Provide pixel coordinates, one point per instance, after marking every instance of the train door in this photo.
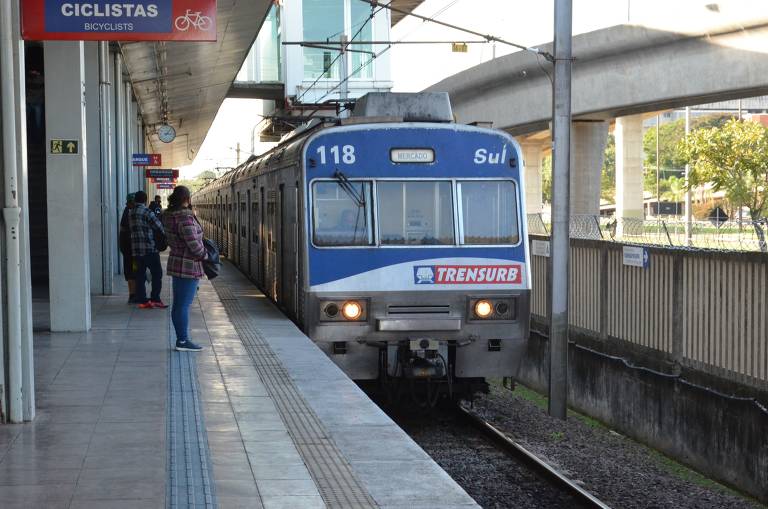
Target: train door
(282, 266)
(237, 220)
(263, 237)
(243, 233)
(247, 238)
(255, 271)
(226, 218)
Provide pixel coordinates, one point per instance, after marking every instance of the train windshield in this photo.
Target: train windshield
(415, 212)
(342, 213)
(488, 212)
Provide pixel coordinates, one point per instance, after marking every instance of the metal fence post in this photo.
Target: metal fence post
(604, 246)
(678, 306)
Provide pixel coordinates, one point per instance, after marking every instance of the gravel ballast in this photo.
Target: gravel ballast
(619, 471)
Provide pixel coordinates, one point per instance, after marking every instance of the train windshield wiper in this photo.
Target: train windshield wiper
(349, 188)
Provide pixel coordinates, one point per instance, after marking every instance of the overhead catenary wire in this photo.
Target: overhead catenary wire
(487, 37)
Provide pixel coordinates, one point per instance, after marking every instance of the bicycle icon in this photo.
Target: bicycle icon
(193, 19)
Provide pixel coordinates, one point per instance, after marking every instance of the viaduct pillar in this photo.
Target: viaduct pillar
(588, 139)
(629, 167)
(533, 188)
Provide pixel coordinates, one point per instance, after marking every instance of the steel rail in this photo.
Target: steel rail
(520, 452)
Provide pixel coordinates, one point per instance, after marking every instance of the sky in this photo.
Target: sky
(526, 22)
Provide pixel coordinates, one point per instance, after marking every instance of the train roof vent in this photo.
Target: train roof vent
(411, 107)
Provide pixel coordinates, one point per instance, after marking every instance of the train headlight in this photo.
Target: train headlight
(352, 310)
(483, 308)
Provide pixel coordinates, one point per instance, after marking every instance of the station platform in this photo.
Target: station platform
(260, 418)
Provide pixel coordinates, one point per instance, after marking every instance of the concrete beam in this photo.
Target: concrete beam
(65, 119)
(629, 166)
(610, 76)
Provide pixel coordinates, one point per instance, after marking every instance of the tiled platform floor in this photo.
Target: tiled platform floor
(99, 439)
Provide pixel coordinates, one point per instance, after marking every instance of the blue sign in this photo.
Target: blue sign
(636, 256)
(146, 159)
(152, 16)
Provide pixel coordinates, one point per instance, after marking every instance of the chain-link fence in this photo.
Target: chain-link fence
(670, 232)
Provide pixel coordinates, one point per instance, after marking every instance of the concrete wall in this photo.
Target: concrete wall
(689, 316)
(722, 437)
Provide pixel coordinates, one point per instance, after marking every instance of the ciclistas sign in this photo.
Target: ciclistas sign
(118, 20)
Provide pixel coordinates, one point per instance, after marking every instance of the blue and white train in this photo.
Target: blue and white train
(396, 239)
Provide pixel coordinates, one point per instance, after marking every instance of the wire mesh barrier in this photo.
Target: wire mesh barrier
(664, 232)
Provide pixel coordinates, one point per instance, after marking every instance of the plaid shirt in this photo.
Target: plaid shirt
(143, 225)
(185, 239)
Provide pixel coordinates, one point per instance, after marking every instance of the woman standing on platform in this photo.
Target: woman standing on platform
(185, 240)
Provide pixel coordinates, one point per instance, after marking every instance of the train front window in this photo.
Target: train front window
(342, 213)
(488, 212)
(415, 212)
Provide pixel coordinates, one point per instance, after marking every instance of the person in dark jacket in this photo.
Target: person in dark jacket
(156, 206)
(145, 227)
(129, 264)
(185, 240)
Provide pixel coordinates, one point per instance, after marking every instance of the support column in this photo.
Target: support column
(533, 188)
(588, 141)
(629, 167)
(95, 168)
(66, 175)
(120, 162)
(27, 350)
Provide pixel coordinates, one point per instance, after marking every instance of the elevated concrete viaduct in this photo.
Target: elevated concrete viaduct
(621, 71)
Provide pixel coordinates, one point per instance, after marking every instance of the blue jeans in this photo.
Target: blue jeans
(184, 290)
(149, 261)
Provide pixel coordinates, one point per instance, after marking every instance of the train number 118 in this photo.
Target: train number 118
(344, 154)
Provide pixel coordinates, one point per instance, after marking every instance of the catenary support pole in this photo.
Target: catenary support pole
(344, 83)
(107, 219)
(11, 215)
(559, 269)
(688, 201)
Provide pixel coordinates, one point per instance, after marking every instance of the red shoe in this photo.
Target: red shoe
(146, 305)
(158, 304)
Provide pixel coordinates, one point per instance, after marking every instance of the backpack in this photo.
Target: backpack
(212, 264)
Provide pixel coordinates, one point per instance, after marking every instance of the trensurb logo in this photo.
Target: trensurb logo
(467, 274)
(424, 275)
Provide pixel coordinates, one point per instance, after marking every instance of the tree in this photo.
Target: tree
(670, 135)
(608, 171)
(546, 179)
(734, 158)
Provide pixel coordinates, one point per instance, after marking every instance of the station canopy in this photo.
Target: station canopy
(185, 83)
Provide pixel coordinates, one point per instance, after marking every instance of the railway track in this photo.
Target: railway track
(512, 448)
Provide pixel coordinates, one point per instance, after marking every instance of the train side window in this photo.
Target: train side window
(488, 210)
(415, 213)
(342, 214)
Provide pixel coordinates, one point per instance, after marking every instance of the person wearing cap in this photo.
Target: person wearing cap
(129, 264)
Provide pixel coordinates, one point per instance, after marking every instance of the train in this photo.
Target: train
(394, 238)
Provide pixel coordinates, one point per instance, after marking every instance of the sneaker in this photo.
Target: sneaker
(187, 346)
(146, 305)
(158, 304)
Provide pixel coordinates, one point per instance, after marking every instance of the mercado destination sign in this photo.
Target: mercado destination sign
(118, 20)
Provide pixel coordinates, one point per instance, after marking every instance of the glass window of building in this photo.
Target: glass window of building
(488, 212)
(415, 213)
(342, 214)
(329, 20)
